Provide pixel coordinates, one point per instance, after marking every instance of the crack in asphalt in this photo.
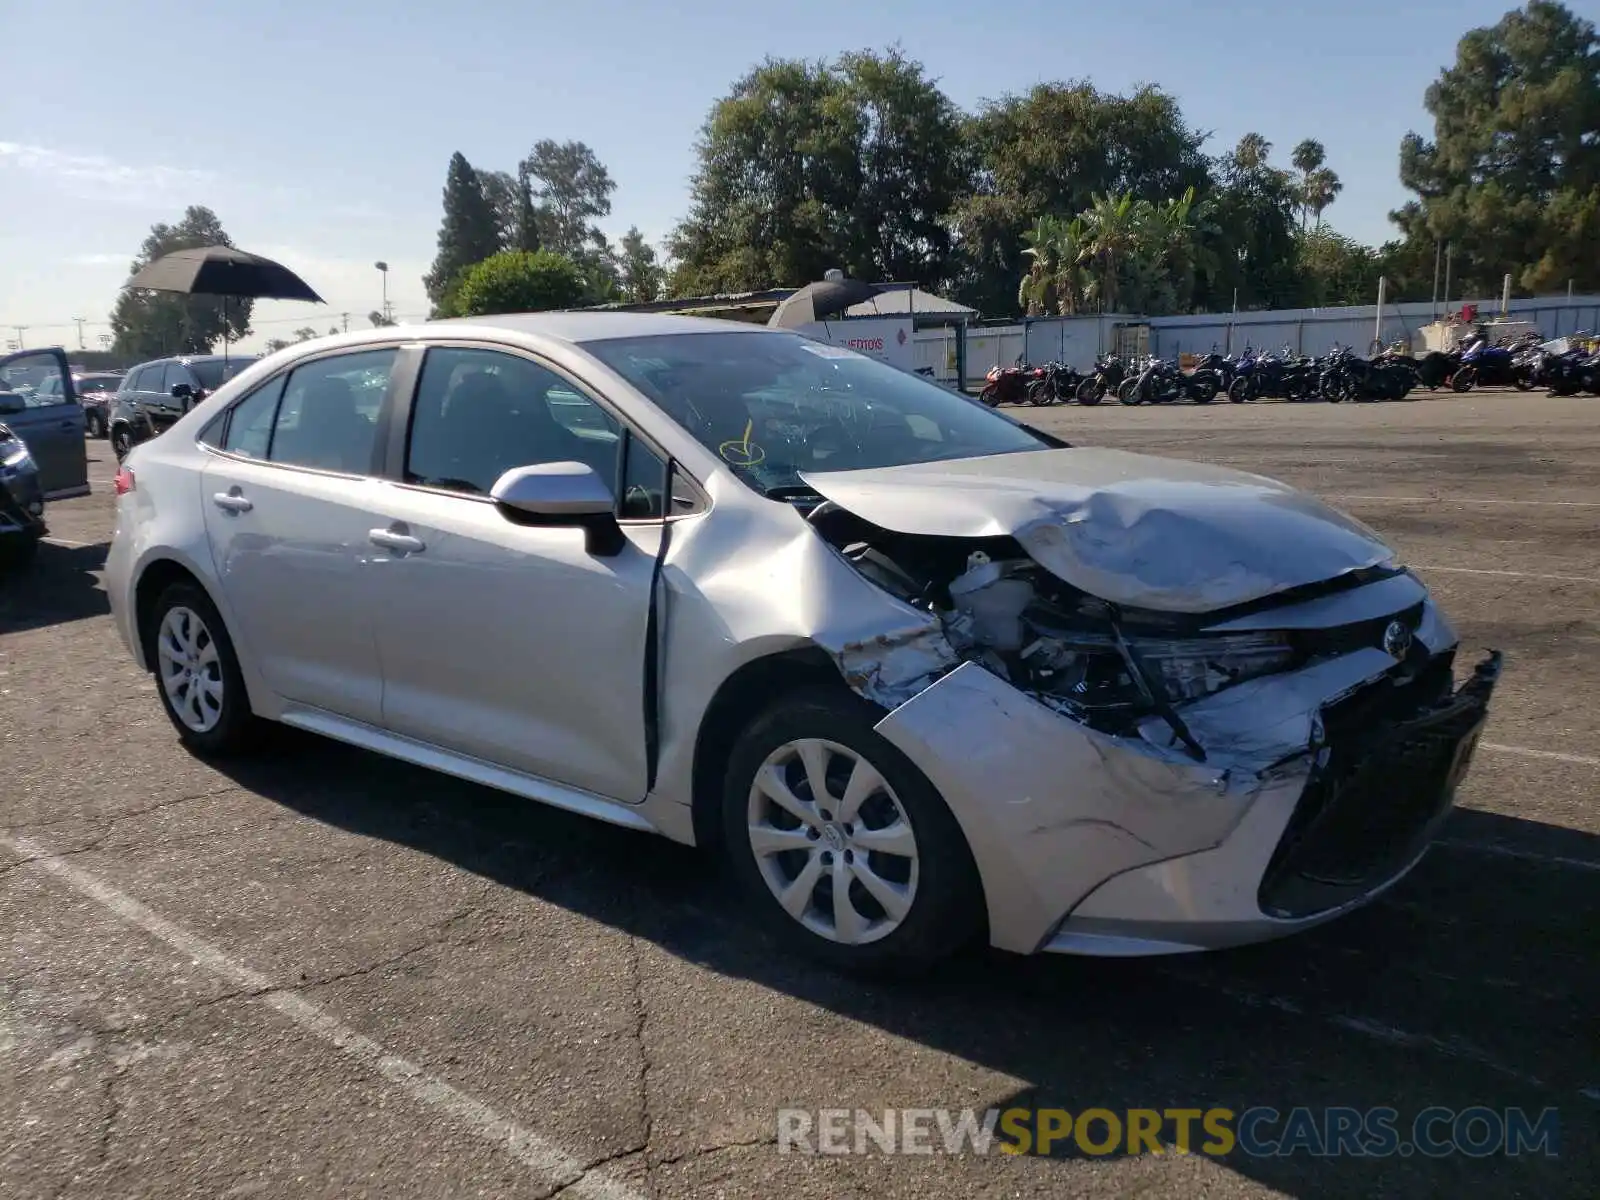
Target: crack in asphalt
(113, 821)
(700, 1152)
(641, 1014)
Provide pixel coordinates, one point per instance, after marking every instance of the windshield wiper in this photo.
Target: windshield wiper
(792, 491)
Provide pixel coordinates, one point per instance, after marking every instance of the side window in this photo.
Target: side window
(175, 374)
(147, 379)
(250, 421)
(328, 416)
(479, 413)
(640, 497)
(36, 378)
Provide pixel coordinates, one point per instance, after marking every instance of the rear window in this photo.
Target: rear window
(213, 375)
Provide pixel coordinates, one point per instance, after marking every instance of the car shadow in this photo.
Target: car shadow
(1470, 984)
(60, 586)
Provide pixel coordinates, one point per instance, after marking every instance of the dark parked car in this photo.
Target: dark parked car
(21, 502)
(39, 404)
(155, 394)
(95, 390)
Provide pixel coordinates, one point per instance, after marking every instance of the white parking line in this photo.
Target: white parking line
(1507, 574)
(1466, 500)
(538, 1154)
(1582, 760)
(1554, 860)
(67, 542)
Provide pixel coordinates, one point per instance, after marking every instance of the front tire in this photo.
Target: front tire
(844, 846)
(197, 672)
(121, 442)
(1090, 391)
(94, 425)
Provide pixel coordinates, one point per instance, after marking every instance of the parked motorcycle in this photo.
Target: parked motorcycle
(1107, 376)
(1161, 382)
(1007, 385)
(1053, 383)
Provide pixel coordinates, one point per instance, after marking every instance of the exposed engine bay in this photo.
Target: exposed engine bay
(1106, 666)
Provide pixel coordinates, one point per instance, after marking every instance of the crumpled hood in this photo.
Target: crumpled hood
(1136, 530)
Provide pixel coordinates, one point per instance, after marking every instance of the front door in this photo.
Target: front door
(39, 403)
(290, 505)
(509, 643)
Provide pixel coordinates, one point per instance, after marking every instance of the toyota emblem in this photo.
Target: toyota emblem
(1397, 639)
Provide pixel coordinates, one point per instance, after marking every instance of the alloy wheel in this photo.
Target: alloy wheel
(190, 669)
(832, 841)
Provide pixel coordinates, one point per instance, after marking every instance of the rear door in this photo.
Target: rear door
(41, 407)
(163, 406)
(290, 506)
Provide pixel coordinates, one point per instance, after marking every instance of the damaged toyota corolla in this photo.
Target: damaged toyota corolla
(924, 674)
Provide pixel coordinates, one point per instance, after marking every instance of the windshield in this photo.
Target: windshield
(774, 405)
(101, 383)
(212, 375)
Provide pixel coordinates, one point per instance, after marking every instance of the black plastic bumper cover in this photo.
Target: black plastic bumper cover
(1373, 802)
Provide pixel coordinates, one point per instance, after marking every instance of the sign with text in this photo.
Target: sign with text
(887, 339)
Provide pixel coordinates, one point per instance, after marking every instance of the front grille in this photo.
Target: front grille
(1383, 780)
(1345, 639)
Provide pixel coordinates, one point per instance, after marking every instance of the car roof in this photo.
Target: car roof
(599, 326)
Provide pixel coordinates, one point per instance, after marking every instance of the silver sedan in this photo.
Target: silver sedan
(924, 675)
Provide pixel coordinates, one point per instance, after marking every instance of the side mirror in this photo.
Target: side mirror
(181, 391)
(10, 402)
(562, 494)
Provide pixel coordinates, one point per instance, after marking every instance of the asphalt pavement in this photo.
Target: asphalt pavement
(322, 973)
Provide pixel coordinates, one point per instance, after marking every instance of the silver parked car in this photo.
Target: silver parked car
(922, 673)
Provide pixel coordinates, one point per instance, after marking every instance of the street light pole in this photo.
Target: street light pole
(79, 322)
(383, 268)
(21, 329)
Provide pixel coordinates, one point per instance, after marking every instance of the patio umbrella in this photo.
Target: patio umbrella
(819, 301)
(223, 271)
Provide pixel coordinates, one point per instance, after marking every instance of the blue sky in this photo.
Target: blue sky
(319, 130)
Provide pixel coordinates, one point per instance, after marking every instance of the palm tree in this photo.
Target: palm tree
(1308, 156)
(1112, 225)
(1322, 187)
(1055, 280)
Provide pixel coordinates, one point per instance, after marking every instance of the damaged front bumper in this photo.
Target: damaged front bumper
(1321, 788)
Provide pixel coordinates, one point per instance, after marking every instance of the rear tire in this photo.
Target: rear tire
(197, 672)
(908, 902)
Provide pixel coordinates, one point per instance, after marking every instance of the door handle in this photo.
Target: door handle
(68, 424)
(232, 502)
(400, 543)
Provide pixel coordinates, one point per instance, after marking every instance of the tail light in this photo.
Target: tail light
(124, 482)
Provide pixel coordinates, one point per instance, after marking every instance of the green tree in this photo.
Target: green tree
(377, 320)
(469, 233)
(1511, 176)
(1056, 280)
(151, 324)
(1319, 186)
(641, 274)
(516, 281)
(304, 334)
(573, 188)
(503, 191)
(526, 236)
(1253, 228)
(1052, 151)
(276, 344)
(1335, 269)
(804, 167)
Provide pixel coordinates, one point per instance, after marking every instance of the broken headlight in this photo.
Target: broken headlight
(1091, 670)
(1191, 669)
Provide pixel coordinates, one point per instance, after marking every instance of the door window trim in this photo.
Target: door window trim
(224, 419)
(394, 465)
